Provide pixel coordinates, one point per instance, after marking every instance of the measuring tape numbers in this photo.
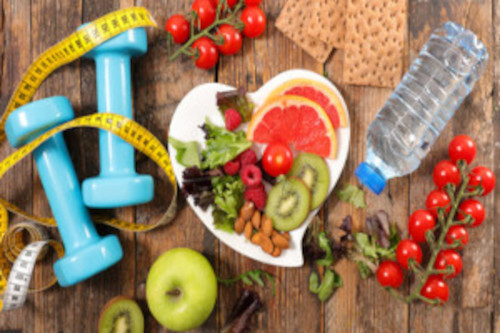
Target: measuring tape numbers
(17, 257)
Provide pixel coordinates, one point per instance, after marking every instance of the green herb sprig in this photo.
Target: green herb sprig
(251, 277)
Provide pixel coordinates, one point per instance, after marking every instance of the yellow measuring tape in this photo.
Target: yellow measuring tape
(64, 52)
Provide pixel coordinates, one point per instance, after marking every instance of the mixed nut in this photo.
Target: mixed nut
(258, 228)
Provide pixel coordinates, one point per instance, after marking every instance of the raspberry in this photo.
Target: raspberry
(251, 175)
(257, 195)
(232, 167)
(248, 157)
(233, 119)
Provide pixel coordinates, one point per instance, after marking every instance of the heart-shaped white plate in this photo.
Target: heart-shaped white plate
(190, 114)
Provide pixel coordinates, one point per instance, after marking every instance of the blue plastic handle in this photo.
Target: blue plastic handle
(86, 252)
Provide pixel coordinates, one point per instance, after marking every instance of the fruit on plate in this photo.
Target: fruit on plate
(121, 314)
(296, 121)
(319, 93)
(181, 289)
(313, 171)
(277, 159)
(288, 204)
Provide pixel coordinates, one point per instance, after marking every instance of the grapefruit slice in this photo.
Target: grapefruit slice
(296, 121)
(317, 92)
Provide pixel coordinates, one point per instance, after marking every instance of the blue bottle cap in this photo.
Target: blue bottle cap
(370, 177)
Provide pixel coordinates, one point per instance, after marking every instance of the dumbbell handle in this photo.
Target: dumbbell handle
(114, 95)
(62, 187)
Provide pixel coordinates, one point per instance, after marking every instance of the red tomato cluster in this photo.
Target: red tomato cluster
(422, 223)
(226, 38)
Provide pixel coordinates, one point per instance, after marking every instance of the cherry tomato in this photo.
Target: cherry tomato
(483, 176)
(254, 19)
(207, 53)
(179, 28)
(205, 10)
(462, 147)
(252, 2)
(420, 221)
(447, 258)
(231, 3)
(232, 39)
(435, 288)
(408, 249)
(473, 208)
(437, 199)
(446, 172)
(390, 274)
(457, 232)
(277, 159)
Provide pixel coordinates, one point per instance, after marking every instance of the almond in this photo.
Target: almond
(276, 252)
(248, 230)
(266, 244)
(256, 239)
(280, 241)
(267, 227)
(239, 225)
(256, 220)
(286, 235)
(247, 210)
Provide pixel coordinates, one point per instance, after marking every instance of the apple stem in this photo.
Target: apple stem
(174, 292)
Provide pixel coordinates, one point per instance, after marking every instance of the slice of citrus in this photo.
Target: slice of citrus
(296, 121)
(318, 92)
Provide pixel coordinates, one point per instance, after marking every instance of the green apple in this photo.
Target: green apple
(181, 289)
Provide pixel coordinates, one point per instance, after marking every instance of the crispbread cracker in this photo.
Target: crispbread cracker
(374, 42)
(328, 22)
(293, 22)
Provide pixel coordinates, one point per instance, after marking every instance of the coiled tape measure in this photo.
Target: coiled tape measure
(17, 260)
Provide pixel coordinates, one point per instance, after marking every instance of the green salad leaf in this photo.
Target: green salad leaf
(187, 152)
(370, 247)
(222, 221)
(236, 99)
(222, 145)
(353, 195)
(364, 271)
(324, 244)
(228, 191)
(379, 244)
(331, 281)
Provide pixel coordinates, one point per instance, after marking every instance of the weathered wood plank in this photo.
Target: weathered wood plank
(159, 85)
(474, 288)
(363, 306)
(16, 185)
(293, 308)
(50, 315)
(495, 51)
(87, 148)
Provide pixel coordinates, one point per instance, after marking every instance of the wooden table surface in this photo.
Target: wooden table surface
(28, 27)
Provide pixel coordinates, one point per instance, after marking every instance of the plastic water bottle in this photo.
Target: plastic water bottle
(409, 123)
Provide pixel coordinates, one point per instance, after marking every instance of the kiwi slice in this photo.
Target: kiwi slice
(288, 204)
(121, 315)
(313, 171)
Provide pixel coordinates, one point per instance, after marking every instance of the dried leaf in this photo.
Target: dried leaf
(241, 315)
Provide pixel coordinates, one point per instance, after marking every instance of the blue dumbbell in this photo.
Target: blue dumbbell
(86, 252)
(118, 184)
